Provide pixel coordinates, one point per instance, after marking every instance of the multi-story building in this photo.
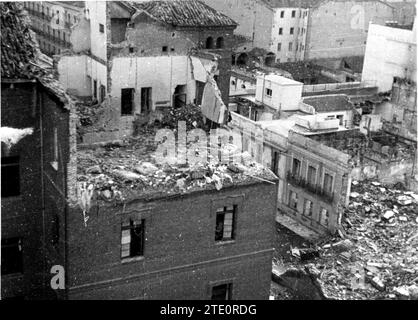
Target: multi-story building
(338, 28)
(288, 36)
(52, 22)
(169, 47)
(280, 131)
(317, 184)
(34, 171)
(295, 30)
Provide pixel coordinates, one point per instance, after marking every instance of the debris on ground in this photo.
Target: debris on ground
(378, 259)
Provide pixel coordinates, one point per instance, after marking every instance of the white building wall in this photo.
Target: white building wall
(240, 86)
(96, 12)
(72, 74)
(285, 96)
(390, 52)
(162, 74)
(299, 24)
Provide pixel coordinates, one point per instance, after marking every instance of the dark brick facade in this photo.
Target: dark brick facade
(181, 258)
(38, 213)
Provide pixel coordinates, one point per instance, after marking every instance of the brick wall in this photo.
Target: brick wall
(181, 258)
(23, 216)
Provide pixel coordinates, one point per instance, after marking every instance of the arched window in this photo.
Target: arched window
(209, 43)
(220, 42)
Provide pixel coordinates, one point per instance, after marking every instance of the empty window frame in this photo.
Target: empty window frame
(293, 200)
(279, 46)
(225, 223)
(293, 13)
(324, 217)
(220, 42)
(209, 43)
(296, 166)
(164, 49)
(275, 162)
(222, 292)
(127, 101)
(328, 181)
(290, 46)
(133, 239)
(11, 256)
(292, 30)
(101, 28)
(307, 208)
(269, 92)
(280, 31)
(10, 176)
(281, 14)
(311, 175)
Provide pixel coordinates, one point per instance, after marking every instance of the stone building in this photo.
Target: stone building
(53, 21)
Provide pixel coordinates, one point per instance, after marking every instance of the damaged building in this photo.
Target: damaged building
(38, 163)
(137, 76)
(120, 222)
(170, 231)
(316, 144)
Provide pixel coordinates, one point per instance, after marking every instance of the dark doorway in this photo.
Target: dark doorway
(146, 100)
(179, 97)
(127, 101)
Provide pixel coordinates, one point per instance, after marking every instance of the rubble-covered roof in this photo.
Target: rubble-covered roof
(130, 171)
(185, 13)
(20, 55)
(378, 257)
(18, 49)
(329, 103)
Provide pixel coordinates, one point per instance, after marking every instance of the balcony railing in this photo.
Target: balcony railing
(316, 190)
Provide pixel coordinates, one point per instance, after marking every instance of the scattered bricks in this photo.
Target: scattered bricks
(377, 283)
(94, 170)
(126, 175)
(146, 168)
(402, 292)
(388, 215)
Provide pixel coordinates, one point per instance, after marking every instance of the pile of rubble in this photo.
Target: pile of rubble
(131, 171)
(190, 113)
(378, 255)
